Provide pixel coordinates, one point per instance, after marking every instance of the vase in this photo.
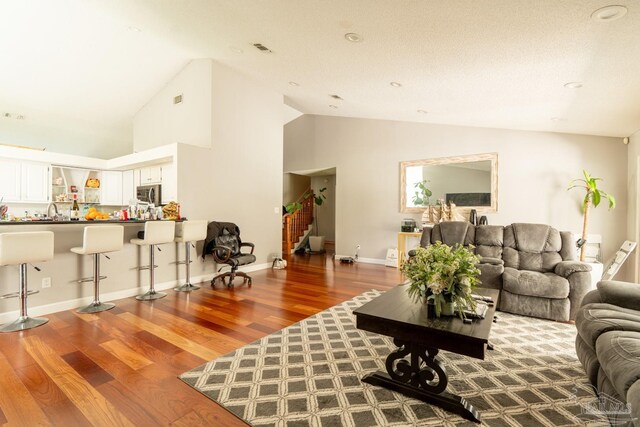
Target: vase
(446, 309)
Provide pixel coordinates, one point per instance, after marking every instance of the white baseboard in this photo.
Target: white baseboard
(56, 307)
(362, 260)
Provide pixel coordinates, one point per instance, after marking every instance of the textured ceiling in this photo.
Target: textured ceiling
(498, 63)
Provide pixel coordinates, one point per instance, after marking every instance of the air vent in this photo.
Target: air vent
(177, 99)
(338, 97)
(262, 47)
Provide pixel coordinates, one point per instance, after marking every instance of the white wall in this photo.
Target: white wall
(61, 135)
(162, 122)
(534, 170)
(632, 266)
(294, 187)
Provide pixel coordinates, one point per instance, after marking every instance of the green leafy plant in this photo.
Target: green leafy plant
(593, 196)
(421, 198)
(318, 199)
(443, 274)
(293, 207)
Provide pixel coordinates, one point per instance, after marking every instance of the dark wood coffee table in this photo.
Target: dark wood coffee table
(396, 315)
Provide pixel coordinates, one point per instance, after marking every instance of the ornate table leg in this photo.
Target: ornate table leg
(424, 378)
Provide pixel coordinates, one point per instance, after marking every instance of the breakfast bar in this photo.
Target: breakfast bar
(57, 279)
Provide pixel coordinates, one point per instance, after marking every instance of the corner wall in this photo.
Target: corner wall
(632, 266)
(534, 171)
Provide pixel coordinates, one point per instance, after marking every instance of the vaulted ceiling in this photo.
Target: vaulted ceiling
(489, 63)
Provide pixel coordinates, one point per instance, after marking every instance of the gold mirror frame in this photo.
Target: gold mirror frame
(493, 157)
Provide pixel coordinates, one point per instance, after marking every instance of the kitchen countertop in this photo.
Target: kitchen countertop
(84, 222)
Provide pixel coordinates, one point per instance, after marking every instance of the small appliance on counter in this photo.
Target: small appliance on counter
(408, 225)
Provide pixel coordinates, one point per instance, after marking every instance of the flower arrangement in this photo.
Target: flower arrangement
(444, 275)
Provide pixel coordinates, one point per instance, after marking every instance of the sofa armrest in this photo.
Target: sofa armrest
(592, 297)
(567, 268)
(622, 294)
(490, 260)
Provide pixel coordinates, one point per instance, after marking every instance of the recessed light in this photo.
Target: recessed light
(294, 84)
(423, 111)
(395, 84)
(338, 97)
(335, 107)
(134, 29)
(236, 49)
(558, 119)
(609, 13)
(353, 37)
(20, 117)
(573, 85)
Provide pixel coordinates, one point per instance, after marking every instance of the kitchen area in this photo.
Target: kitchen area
(61, 193)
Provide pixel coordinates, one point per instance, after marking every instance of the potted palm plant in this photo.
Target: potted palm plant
(593, 197)
(316, 242)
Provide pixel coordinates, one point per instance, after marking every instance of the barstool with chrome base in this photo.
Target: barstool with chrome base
(155, 233)
(22, 249)
(188, 232)
(99, 239)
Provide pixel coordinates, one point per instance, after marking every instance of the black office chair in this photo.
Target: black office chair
(224, 244)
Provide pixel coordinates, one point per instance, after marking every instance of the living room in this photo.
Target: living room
(231, 96)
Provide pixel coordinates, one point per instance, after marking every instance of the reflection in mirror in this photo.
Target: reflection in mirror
(466, 181)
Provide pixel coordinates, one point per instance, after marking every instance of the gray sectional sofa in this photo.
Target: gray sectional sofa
(608, 346)
(533, 265)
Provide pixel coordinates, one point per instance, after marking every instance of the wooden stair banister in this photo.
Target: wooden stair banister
(296, 223)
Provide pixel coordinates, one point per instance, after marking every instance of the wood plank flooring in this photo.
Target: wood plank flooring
(120, 367)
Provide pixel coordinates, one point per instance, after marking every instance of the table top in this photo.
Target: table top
(396, 314)
(82, 221)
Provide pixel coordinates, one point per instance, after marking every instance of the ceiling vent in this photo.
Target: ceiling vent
(262, 47)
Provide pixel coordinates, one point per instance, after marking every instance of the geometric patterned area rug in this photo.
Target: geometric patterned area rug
(308, 374)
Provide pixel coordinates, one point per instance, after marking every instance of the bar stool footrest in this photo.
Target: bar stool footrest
(90, 279)
(146, 267)
(24, 323)
(10, 295)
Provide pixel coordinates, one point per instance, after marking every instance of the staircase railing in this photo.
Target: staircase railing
(296, 223)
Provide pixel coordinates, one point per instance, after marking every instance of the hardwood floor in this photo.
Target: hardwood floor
(120, 367)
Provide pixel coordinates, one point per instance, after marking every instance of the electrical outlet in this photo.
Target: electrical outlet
(46, 282)
(276, 210)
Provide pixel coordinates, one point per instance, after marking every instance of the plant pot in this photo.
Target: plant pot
(316, 243)
(446, 309)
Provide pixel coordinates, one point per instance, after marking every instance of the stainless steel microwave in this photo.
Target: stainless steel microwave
(149, 194)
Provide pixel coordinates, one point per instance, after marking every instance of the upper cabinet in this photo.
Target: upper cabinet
(26, 182)
(150, 175)
(128, 187)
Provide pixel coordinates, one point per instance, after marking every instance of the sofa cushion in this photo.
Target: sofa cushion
(535, 284)
(622, 294)
(534, 247)
(633, 399)
(596, 319)
(491, 275)
(589, 359)
(619, 356)
(544, 308)
(489, 240)
(453, 232)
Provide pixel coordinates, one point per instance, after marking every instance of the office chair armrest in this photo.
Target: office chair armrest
(217, 259)
(251, 245)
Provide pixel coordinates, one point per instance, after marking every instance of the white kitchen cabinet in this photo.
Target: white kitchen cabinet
(151, 175)
(128, 187)
(111, 188)
(10, 177)
(169, 184)
(34, 183)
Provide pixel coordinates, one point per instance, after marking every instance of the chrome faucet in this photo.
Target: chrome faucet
(55, 209)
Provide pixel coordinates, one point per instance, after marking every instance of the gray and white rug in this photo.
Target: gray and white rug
(309, 375)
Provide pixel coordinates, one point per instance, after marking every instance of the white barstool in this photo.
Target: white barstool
(22, 249)
(188, 232)
(98, 240)
(155, 233)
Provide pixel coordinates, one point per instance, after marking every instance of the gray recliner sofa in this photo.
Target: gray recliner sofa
(533, 265)
(608, 346)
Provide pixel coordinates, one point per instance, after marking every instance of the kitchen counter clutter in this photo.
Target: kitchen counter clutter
(84, 222)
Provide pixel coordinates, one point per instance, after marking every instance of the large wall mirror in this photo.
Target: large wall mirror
(470, 182)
